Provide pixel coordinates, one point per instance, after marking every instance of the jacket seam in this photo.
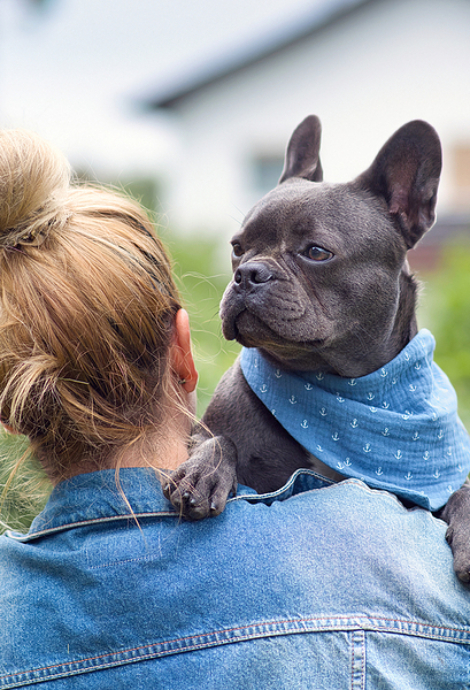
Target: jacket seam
(234, 635)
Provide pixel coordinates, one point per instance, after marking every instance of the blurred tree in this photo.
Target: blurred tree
(40, 4)
(144, 189)
(445, 310)
(196, 261)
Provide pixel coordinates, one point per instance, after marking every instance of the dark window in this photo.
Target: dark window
(267, 170)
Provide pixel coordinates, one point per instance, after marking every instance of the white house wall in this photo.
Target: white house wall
(365, 76)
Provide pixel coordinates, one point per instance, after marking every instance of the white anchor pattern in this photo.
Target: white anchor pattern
(396, 429)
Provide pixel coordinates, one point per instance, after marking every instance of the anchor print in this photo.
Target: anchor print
(394, 381)
(426, 455)
(373, 409)
(385, 405)
(436, 474)
(278, 374)
(339, 398)
(370, 396)
(383, 373)
(348, 462)
(352, 382)
(323, 412)
(440, 435)
(415, 436)
(320, 376)
(367, 448)
(354, 423)
(417, 366)
(386, 431)
(335, 436)
(308, 386)
(379, 471)
(293, 400)
(398, 455)
(304, 424)
(263, 388)
(412, 388)
(319, 449)
(408, 476)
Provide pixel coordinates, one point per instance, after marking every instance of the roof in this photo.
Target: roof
(316, 20)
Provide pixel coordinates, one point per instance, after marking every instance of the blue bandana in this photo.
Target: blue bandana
(396, 429)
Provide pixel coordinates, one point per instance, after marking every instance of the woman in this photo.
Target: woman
(317, 586)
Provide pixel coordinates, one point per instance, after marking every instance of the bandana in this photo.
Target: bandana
(396, 429)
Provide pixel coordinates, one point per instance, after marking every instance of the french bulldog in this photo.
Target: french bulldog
(321, 284)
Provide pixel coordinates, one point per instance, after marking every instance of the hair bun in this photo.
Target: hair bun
(34, 178)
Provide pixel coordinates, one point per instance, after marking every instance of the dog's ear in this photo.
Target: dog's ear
(302, 155)
(406, 174)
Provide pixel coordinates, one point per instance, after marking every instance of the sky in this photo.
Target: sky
(75, 70)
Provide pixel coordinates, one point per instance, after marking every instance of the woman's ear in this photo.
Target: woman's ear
(9, 429)
(181, 356)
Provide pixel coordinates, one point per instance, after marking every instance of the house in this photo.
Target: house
(365, 67)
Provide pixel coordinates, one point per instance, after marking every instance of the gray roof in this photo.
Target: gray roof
(316, 20)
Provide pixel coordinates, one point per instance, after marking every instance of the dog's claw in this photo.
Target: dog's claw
(200, 486)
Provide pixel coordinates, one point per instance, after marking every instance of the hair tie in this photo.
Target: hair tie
(32, 232)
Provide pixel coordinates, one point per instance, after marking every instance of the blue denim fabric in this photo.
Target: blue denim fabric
(317, 586)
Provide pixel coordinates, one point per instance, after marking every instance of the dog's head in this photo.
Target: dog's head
(320, 277)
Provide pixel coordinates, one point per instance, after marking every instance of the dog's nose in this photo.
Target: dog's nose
(251, 274)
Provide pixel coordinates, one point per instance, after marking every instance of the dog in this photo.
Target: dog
(322, 291)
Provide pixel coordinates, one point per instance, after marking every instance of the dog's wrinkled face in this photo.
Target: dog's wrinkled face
(311, 263)
(318, 268)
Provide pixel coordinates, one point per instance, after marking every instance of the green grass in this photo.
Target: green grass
(202, 285)
(445, 310)
(27, 492)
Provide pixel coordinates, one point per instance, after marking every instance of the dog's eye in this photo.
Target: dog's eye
(318, 254)
(237, 249)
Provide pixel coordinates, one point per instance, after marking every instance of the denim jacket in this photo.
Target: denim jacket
(316, 586)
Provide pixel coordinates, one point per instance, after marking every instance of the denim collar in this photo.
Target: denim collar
(96, 497)
(397, 428)
(99, 496)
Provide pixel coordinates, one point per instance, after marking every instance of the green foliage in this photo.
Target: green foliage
(195, 264)
(141, 189)
(23, 491)
(445, 311)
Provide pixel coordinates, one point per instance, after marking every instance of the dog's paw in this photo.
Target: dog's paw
(459, 541)
(200, 486)
(457, 515)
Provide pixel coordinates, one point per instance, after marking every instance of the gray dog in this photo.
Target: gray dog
(321, 288)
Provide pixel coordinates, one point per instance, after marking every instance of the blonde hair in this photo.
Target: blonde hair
(87, 307)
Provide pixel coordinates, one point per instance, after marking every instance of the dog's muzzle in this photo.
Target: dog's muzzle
(251, 275)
